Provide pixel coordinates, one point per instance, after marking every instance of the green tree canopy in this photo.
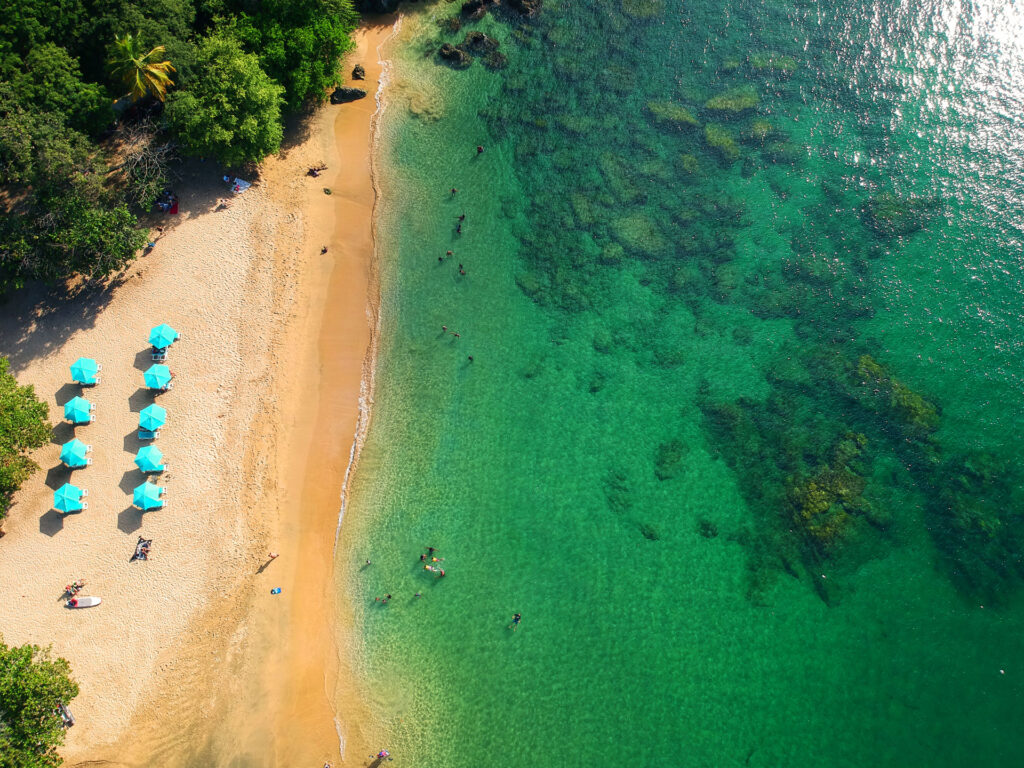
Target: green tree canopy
(23, 428)
(231, 109)
(300, 44)
(145, 73)
(32, 684)
(51, 81)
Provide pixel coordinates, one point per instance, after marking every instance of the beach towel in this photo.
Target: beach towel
(240, 186)
(142, 550)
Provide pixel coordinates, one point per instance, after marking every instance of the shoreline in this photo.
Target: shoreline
(269, 475)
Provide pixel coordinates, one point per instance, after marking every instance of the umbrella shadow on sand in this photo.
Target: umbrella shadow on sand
(129, 519)
(51, 523)
(141, 398)
(62, 432)
(144, 358)
(57, 476)
(66, 392)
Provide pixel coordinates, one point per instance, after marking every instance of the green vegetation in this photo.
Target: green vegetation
(145, 74)
(720, 140)
(233, 112)
(32, 684)
(889, 215)
(671, 113)
(77, 169)
(734, 100)
(773, 62)
(23, 428)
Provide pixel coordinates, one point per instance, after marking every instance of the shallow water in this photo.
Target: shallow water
(740, 433)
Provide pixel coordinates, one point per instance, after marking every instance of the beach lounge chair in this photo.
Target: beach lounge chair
(88, 461)
(85, 492)
(159, 357)
(146, 434)
(85, 504)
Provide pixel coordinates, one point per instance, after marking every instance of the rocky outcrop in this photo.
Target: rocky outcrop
(525, 7)
(454, 56)
(342, 95)
(478, 42)
(475, 9)
(377, 6)
(358, 72)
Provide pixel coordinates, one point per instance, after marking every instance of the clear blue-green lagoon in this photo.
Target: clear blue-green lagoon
(741, 433)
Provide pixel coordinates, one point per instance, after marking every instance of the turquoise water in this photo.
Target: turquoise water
(740, 435)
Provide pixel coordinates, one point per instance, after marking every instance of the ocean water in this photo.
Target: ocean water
(740, 435)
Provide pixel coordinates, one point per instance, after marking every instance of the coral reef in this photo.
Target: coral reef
(823, 503)
(721, 140)
(734, 101)
(882, 392)
(668, 461)
(888, 215)
(670, 113)
(774, 62)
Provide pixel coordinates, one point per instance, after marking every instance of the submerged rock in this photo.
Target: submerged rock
(721, 140)
(669, 113)
(525, 7)
(734, 101)
(643, 9)
(478, 42)
(454, 56)
(889, 215)
(773, 62)
(475, 9)
(342, 95)
(668, 461)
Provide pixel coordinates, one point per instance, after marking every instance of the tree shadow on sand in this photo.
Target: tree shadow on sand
(39, 318)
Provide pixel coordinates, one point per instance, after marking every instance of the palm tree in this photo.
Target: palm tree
(143, 73)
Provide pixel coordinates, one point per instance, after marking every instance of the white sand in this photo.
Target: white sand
(189, 660)
(212, 278)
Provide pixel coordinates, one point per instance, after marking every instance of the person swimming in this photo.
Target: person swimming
(516, 618)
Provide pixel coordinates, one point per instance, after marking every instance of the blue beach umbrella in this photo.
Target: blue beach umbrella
(157, 376)
(152, 417)
(163, 336)
(77, 410)
(149, 459)
(84, 370)
(68, 498)
(147, 496)
(72, 453)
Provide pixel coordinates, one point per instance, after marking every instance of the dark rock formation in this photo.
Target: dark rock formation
(377, 6)
(342, 95)
(454, 56)
(495, 60)
(358, 73)
(478, 42)
(475, 9)
(525, 7)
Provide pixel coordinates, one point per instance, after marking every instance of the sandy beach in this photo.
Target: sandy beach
(190, 659)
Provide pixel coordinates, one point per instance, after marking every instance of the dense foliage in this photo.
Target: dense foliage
(23, 427)
(84, 144)
(32, 684)
(233, 111)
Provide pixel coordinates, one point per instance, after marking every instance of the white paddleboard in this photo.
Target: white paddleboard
(84, 602)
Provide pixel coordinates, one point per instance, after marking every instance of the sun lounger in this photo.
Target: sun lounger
(85, 492)
(85, 504)
(88, 461)
(145, 434)
(159, 357)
